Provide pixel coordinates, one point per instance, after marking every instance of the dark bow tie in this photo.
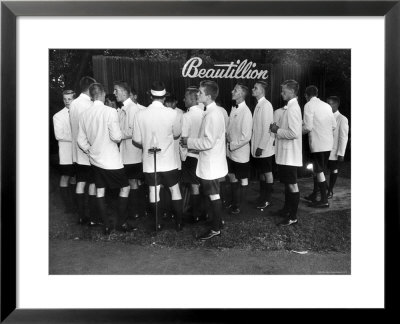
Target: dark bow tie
(236, 106)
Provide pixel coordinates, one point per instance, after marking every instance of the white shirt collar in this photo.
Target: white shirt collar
(157, 104)
(127, 102)
(211, 106)
(262, 98)
(98, 103)
(290, 102)
(314, 98)
(195, 107)
(336, 113)
(84, 95)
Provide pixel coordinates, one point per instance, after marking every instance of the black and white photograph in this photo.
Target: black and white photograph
(199, 161)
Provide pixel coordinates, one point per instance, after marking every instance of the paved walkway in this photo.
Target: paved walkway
(85, 257)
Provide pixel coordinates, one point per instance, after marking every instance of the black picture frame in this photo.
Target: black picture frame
(10, 10)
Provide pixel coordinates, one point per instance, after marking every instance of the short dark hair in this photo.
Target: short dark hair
(244, 88)
(124, 85)
(85, 83)
(210, 88)
(291, 84)
(263, 84)
(311, 91)
(170, 99)
(68, 92)
(111, 97)
(335, 99)
(96, 90)
(133, 91)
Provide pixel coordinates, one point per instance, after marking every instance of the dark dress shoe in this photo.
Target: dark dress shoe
(330, 195)
(319, 204)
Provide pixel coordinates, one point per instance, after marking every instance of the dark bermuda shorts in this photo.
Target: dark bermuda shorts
(264, 165)
(240, 170)
(84, 173)
(134, 170)
(210, 187)
(287, 174)
(333, 165)
(320, 161)
(112, 179)
(67, 169)
(166, 178)
(189, 171)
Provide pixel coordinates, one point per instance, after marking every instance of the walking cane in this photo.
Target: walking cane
(154, 149)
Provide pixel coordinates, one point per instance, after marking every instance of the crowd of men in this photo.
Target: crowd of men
(149, 152)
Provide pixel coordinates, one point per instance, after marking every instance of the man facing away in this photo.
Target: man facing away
(98, 136)
(210, 143)
(340, 137)
(289, 150)
(238, 146)
(62, 132)
(84, 172)
(190, 128)
(131, 155)
(262, 143)
(158, 126)
(319, 123)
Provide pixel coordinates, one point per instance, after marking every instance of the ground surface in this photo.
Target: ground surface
(251, 243)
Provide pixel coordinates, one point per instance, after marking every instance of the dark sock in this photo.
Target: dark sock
(195, 202)
(101, 207)
(65, 196)
(243, 192)
(80, 198)
(285, 204)
(315, 190)
(133, 201)
(177, 207)
(141, 203)
(235, 186)
(294, 198)
(216, 206)
(268, 191)
(92, 208)
(122, 205)
(72, 194)
(263, 191)
(332, 181)
(322, 189)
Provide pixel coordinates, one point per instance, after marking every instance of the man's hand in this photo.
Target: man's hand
(340, 158)
(183, 141)
(258, 151)
(273, 128)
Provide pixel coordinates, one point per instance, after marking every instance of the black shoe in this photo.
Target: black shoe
(235, 211)
(125, 228)
(311, 197)
(288, 222)
(319, 204)
(179, 227)
(263, 205)
(107, 231)
(209, 234)
(330, 195)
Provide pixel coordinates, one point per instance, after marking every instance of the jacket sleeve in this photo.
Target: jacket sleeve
(212, 131)
(177, 125)
(82, 139)
(126, 123)
(334, 124)
(113, 127)
(60, 132)
(267, 117)
(308, 123)
(294, 124)
(137, 135)
(245, 136)
(343, 135)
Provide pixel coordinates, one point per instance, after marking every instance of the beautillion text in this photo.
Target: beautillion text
(238, 70)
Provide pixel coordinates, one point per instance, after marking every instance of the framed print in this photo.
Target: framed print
(189, 35)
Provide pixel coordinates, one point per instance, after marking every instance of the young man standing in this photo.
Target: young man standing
(262, 143)
(190, 128)
(340, 137)
(98, 136)
(319, 123)
(212, 165)
(62, 132)
(131, 155)
(84, 172)
(158, 126)
(289, 150)
(238, 146)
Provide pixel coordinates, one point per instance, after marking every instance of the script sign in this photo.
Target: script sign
(234, 70)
